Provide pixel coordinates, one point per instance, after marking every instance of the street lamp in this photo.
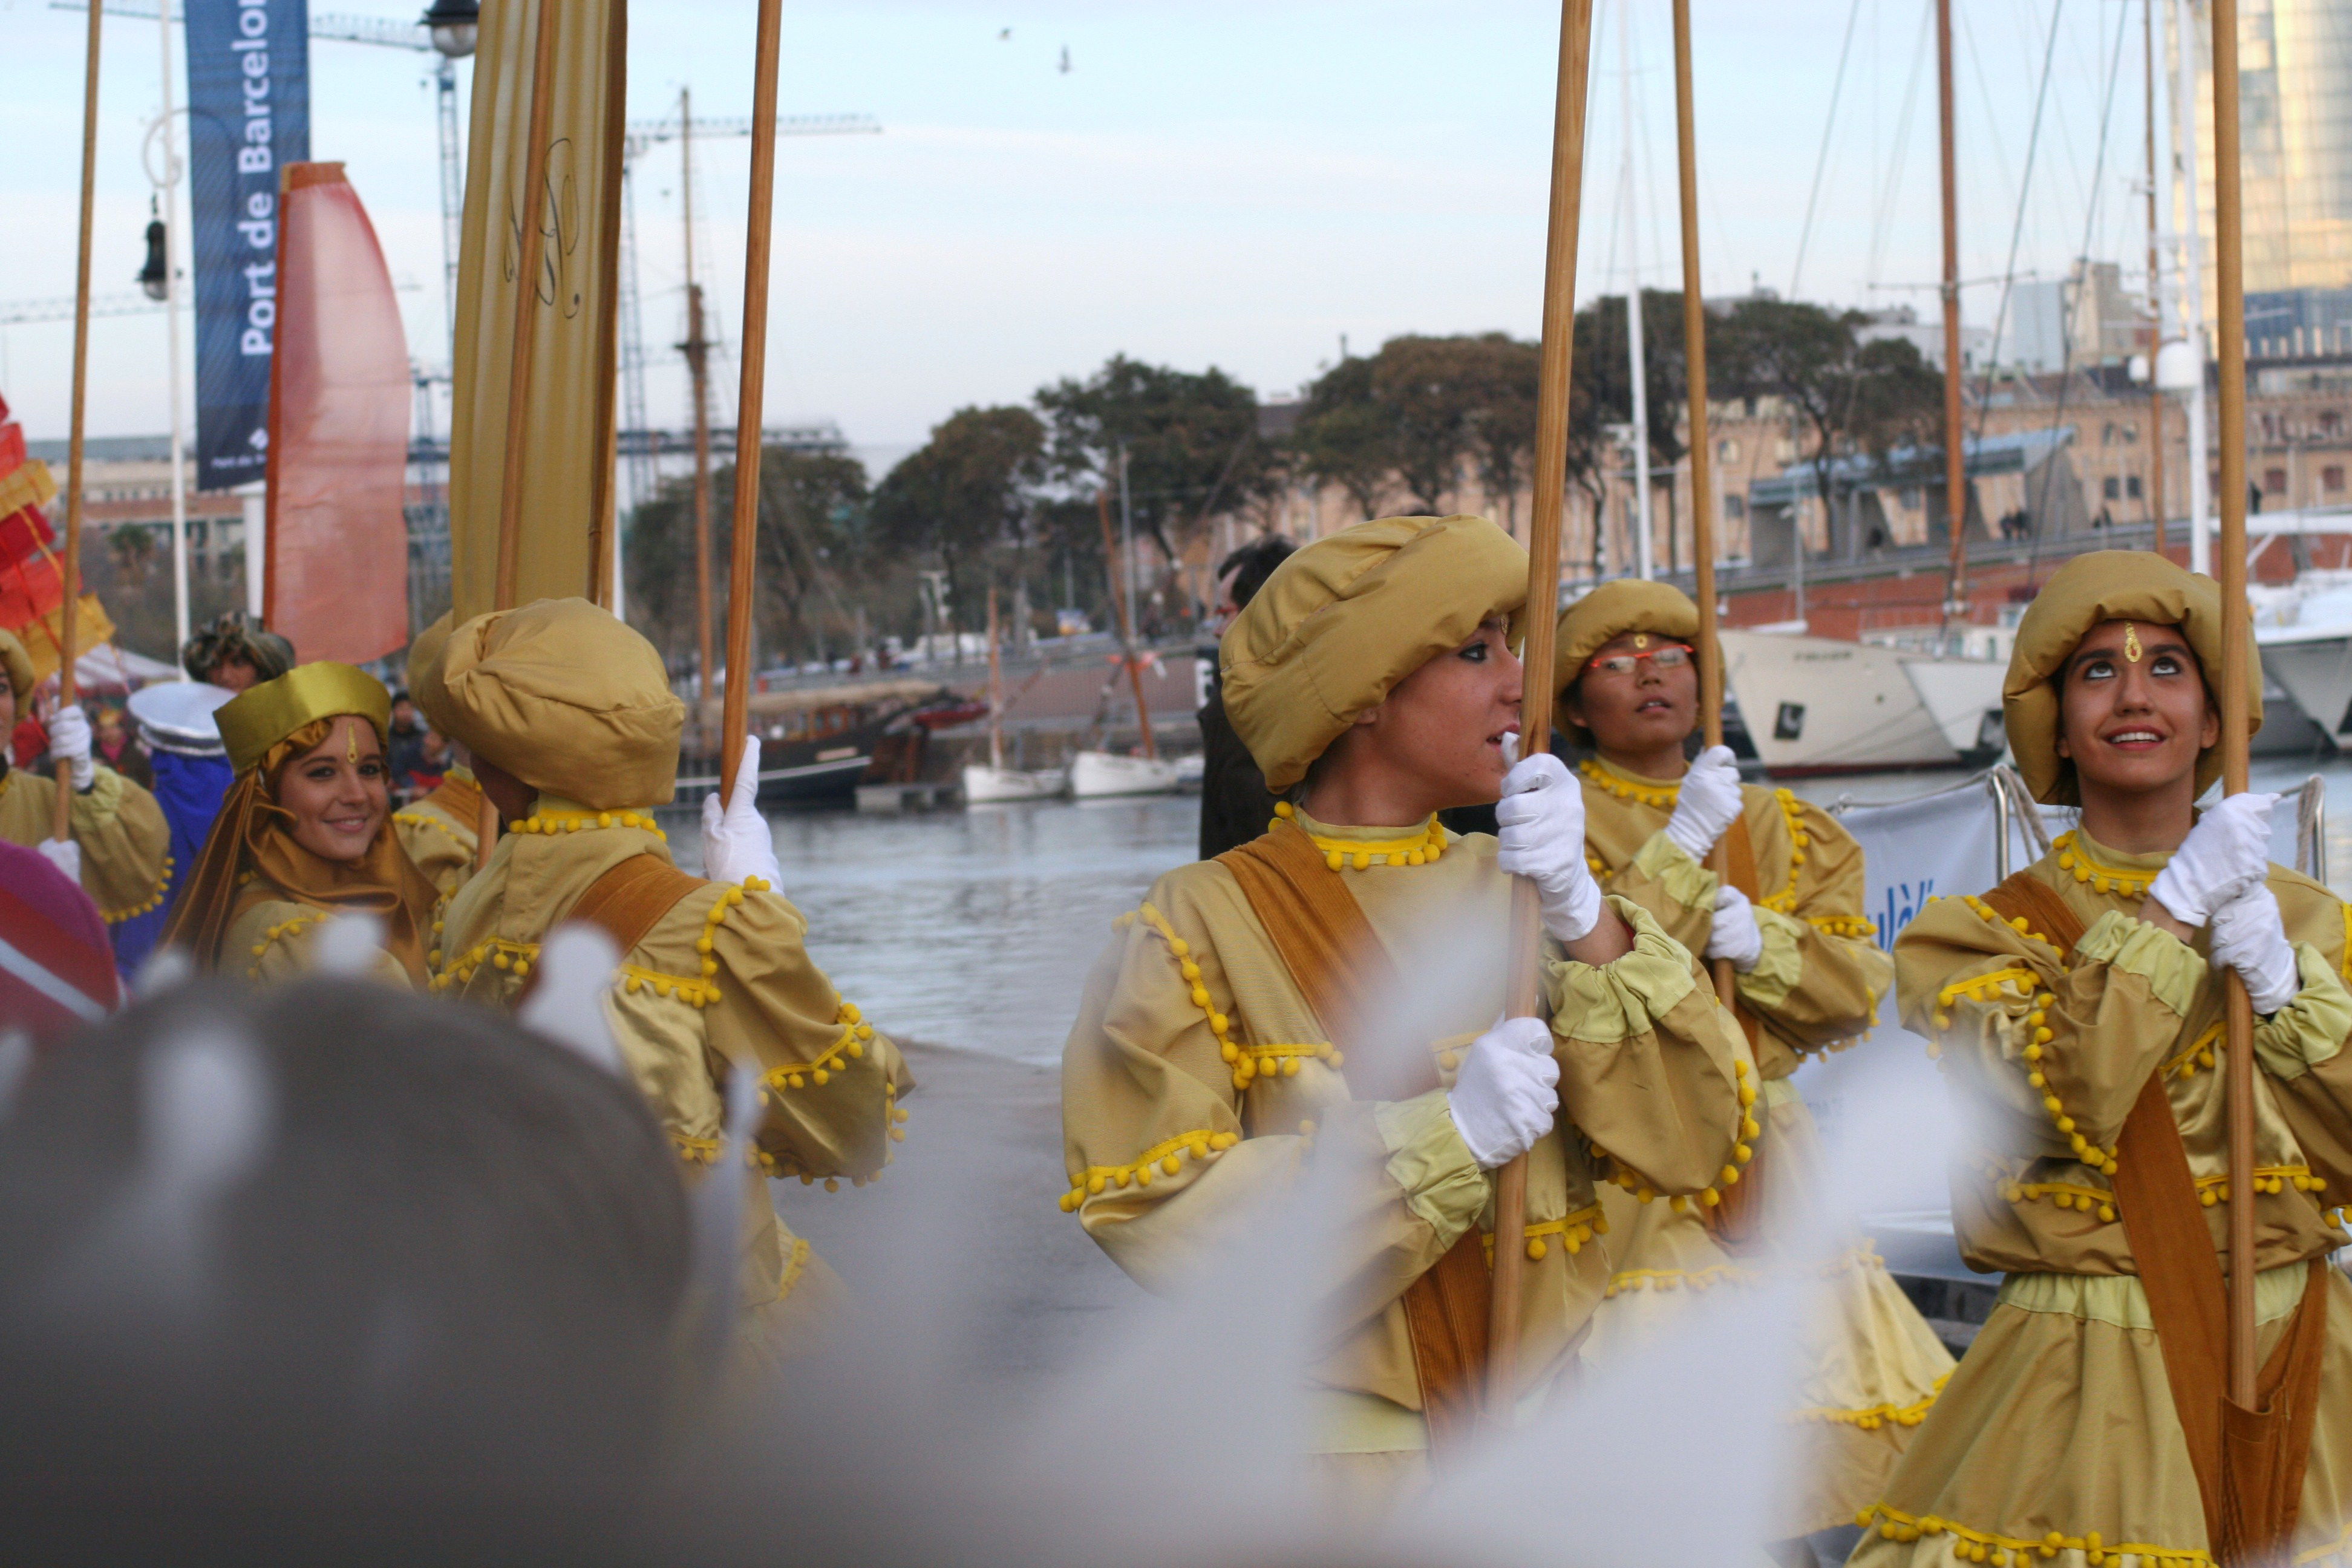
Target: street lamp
(154, 277)
(454, 25)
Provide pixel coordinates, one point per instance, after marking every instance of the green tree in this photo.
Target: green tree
(1192, 443)
(1346, 435)
(813, 564)
(968, 491)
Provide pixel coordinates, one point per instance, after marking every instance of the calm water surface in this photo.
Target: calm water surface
(975, 929)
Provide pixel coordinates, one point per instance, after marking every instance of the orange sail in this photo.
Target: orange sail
(336, 583)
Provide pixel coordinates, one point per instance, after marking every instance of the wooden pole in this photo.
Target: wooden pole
(69, 610)
(1710, 650)
(526, 328)
(698, 368)
(1525, 998)
(1956, 469)
(1120, 583)
(744, 547)
(995, 691)
(2236, 628)
(2154, 297)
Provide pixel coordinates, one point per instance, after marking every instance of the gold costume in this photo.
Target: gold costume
(1871, 1365)
(2058, 1440)
(559, 692)
(256, 899)
(126, 844)
(1199, 1081)
(442, 830)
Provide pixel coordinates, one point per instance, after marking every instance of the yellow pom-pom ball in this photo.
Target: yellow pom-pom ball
(1333, 859)
(1535, 1249)
(1283, 809)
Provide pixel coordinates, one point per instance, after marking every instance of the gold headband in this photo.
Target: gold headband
(259, 718)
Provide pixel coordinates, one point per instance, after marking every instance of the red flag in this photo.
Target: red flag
(337, 581)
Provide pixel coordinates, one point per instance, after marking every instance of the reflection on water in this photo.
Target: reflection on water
(975, 929)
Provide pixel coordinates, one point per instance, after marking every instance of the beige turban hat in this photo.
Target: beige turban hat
(1609, 611)
(2107, 585)
(1343, 620)
(562, 696)
(18, 664)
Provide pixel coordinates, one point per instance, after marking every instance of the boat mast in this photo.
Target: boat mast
(2154, 299)
(2193, 282)
(698, 364)
(1637, 375)
(1124, 602)
(1956, 478)
(995, 691)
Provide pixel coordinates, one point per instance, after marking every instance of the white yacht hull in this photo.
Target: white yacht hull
(985, 784)
(1095, 774)
(1821, 705)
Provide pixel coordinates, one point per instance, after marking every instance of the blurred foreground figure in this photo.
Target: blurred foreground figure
(2078, 1008)
(304, 834)
(1316, 995)
(574, 734)
(326, 1274)
(60, 972)
(120, 845)
(1809, 976)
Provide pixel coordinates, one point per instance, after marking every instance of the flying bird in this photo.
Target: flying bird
(1004, 37)
(1065, 59)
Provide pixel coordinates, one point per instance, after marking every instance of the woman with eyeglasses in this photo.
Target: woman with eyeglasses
(1809, 977)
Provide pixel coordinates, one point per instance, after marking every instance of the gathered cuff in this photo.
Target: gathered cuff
(2174, 971)
(1617, 1001)
(1443, 1184)
(1668, 864)
(2310, 1030)
(1780, 966)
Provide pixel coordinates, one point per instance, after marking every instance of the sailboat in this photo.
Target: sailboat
(1097, 773)
(996, 781)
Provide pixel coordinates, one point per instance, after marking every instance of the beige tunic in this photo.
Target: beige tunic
(722, 982)
(1872, 1366)
(2059, 1428)
(438, 841)
(277, 939)
(1196, 1082)
(126, 844)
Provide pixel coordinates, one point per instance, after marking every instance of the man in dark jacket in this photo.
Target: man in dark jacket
(1235, 805)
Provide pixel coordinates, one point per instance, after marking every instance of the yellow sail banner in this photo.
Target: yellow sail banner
(566, 455)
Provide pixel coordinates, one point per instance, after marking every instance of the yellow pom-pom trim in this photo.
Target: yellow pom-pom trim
(1973, 1545)
(1164, 1158)
(543, 822)
(153, 901)
(1364, 854)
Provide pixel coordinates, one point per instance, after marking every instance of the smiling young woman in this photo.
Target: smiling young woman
(1332, 988)
(2078, 1010)
(304, 834)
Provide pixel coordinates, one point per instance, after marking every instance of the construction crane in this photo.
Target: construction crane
(642, 137)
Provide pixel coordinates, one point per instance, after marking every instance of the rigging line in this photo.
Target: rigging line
(2067, 313)
(2017, 229)
(1821, 163)
(1883, 228)
(1984, 96)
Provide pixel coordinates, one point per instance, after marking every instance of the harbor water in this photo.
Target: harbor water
(974, 930)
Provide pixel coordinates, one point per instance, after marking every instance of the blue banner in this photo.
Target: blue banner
(248, 116)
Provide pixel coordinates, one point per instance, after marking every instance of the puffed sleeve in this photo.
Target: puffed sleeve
(2060, 1051)
(1162, 1164)
(435, 848)
(1651, 1066)
(1822, 972)
(2301, 1046)
(725, 982)
(126, 847)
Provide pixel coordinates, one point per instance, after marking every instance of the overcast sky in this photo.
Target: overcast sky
(1211, 183)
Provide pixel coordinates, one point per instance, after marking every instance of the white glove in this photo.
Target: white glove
(65, 855)
(1541, 818)
(1502, 1098)
(2248, 937)
(1707, 804)
(70, 743)
(2226, 853)
(736, 843)
(1735, 934)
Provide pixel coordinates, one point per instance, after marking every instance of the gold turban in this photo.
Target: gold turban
(562, 696)
(19, 666)
(2109, 585)
(260, 717)
(1343, 620)
(1609, 611)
